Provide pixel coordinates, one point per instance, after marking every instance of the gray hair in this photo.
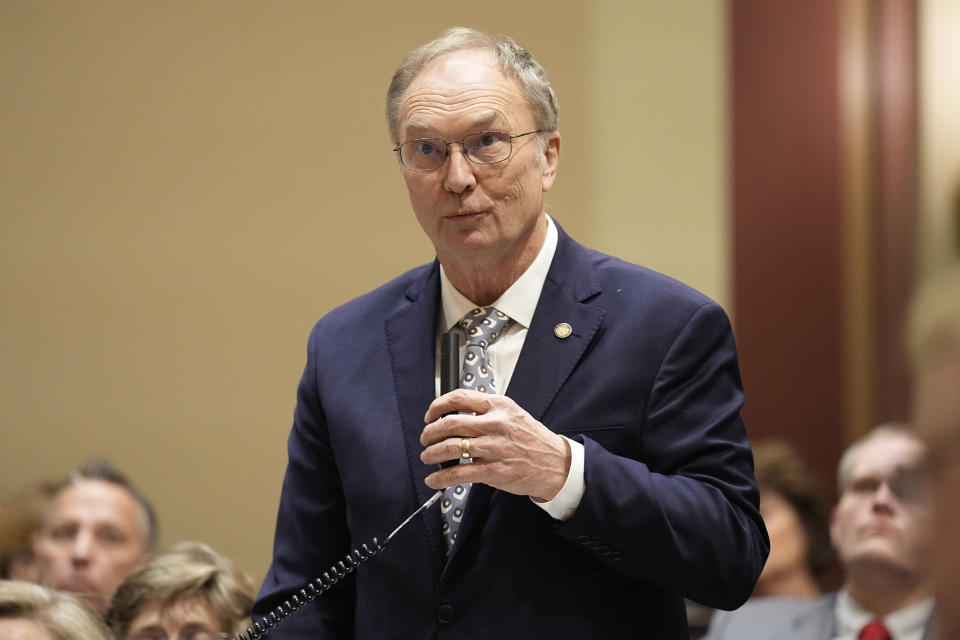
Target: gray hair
(849, 457)
(186, 569)
(515, 61)
(60, 613)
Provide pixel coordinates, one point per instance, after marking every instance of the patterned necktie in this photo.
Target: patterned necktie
(875, 631)
(481, 327)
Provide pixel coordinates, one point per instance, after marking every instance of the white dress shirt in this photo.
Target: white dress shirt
(519, 302)
(909, 623)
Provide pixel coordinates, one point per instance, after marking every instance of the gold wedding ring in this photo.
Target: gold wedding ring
(464, 447)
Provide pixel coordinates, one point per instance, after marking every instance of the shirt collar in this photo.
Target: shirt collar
(519, 301)
(851, 617)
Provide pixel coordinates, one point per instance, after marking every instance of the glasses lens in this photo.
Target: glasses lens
(908, 484)
(487, 147)
(423, 154)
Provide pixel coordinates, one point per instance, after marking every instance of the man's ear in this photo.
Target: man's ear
(551, 160)
(834, 529)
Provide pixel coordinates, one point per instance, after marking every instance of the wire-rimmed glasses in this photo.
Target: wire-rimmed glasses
(482, 147)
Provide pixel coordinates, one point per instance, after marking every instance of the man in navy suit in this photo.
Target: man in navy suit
(611, 472)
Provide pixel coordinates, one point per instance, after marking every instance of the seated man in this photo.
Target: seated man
(189, 591)
(97, 530)
(880, 529)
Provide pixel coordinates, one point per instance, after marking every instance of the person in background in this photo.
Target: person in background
(97, 529)
(31, 612)
(21, 517)
(189, 591)
(606, 472)
(934, 338)
(880, 528)
(796, 511)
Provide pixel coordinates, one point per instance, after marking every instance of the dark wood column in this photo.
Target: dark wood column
(893, 63)
(822, 217)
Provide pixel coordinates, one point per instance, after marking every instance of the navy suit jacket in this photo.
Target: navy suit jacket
(648, 382)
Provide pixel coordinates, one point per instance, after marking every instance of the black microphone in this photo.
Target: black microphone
(449, 372)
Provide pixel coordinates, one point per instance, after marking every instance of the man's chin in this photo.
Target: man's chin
(882, 557)
(87, 591)
(96, 602)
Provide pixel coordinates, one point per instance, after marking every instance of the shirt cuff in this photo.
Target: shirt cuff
(565, 503)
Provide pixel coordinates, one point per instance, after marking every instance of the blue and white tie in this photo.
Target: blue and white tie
(481, 326)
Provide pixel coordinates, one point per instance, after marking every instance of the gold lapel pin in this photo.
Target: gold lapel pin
(563, 330)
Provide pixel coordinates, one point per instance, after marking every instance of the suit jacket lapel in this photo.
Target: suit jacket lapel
(546, 360)
(411, 340)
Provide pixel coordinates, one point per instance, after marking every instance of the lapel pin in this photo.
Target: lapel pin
(563, 330)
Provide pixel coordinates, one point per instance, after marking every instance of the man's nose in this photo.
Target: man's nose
(82, 548)
(460, 175)
(883, 497)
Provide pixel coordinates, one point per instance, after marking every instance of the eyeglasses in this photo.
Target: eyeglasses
(190, 633)
(905, 483)
(483, 147)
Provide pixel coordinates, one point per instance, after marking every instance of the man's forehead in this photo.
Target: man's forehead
(462, 65)
(884, 455)
(193, 608)
(479, 120)
(460, 82)
(88, 497)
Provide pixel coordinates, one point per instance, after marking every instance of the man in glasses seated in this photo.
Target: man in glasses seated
(605, 471)
(881, 529)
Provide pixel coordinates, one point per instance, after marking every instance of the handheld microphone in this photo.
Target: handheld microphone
(449, 372)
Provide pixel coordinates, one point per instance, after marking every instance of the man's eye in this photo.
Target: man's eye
(426, 148)
(63, 533)
(487, 139)
(112, 537)
(865, 485)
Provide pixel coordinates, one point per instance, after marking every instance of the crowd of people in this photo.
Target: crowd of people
(593, 513)
(79, 561)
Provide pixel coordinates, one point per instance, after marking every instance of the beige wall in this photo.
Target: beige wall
(939, 133)
(658, 181)
(186, 186)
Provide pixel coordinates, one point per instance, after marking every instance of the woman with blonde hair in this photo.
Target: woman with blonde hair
(31, 612)
(189, 591)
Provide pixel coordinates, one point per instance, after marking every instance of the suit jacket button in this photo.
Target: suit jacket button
(446, 613)
(585, 539)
